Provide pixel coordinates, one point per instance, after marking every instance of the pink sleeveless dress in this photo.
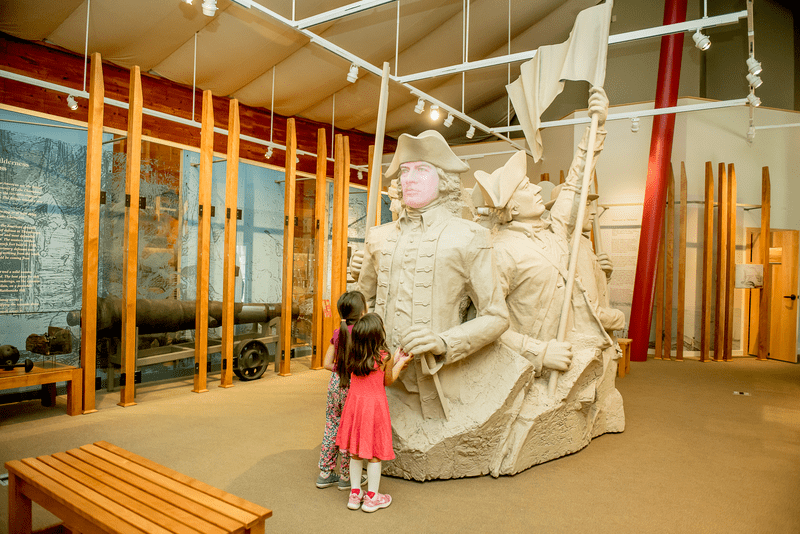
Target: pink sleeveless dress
(366, 427)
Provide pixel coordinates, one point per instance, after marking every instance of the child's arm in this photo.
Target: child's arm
(394, 365)
(328, 364)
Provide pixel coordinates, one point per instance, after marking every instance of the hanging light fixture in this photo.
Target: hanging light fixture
(420, 107)
(72, 103)
(187, 2)
(753, 100)
(754, 81)
(471, 131)
(449, 120)
(754, 66)
(434, 112)
(701, 40)
(209, 7)
(634, 124)
(352, 76)
(268, 153)
(751, 133)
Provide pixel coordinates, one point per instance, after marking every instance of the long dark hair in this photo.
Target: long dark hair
(351, 306)
(369, 339)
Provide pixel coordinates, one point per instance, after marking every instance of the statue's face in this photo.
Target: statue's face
(529, 201)
(588, 218)
(420, 183)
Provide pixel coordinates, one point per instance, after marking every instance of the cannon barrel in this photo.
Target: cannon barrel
(158, 316)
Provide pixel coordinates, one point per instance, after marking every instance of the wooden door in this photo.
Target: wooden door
(783, 293)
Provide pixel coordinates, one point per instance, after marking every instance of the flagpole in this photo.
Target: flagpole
(576, 241)
(374, 193)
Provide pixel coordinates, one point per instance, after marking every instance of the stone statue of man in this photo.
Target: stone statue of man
(420, 273)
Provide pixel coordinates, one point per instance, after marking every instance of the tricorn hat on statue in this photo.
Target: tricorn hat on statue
(557, 189)
(429, 146)
(498, 187)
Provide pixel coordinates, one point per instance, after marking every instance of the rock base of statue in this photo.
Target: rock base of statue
(513, 425)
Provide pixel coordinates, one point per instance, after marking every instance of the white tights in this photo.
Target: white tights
(373, 475)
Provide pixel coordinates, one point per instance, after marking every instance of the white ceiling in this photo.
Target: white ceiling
(238, 48)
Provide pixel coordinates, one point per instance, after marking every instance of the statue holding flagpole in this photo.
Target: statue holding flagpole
(476, 398)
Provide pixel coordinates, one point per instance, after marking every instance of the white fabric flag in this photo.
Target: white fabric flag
(541, 80)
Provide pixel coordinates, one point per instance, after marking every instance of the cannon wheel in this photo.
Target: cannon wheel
(251, 359)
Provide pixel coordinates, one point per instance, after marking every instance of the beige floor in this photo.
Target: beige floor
(694, 457)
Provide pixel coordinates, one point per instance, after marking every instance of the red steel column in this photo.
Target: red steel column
(669, 75)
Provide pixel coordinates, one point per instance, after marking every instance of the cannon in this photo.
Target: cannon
(251, 353)
(9, 356)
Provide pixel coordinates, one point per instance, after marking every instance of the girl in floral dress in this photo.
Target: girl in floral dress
(351, 306)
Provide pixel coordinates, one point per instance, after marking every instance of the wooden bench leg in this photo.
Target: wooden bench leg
(258, 528)
(624, 362)
(19, 508)
(49, 395)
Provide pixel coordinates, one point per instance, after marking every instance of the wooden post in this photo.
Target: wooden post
(681, 267)
(669, 266)
(708, 258)
(319, 343)
(130, 253)
(722, 271)
(370, 178)
(561, 177)
(91, 233)
(731, 264)
(203, 243)
(345, 222)
(229, 261)
(659, 329)
(545, 177)
(337, 238)
(288, 248)
(764, 301)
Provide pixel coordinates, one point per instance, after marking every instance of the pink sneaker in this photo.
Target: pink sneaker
(376, 502)
(356, 496)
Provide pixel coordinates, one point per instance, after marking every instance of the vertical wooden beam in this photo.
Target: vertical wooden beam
(319, 344)
(203, 243)
(669, 265)
(545, 177)
(659, 328)
(370, 178)
(681, 267)
(722, 271)
(345, 222)
(288, 248)
(561, 177)
(730, 264)
(339, 209)
(229, 260)
(764, 301)
(708, 259)
(130, 254)
(91, 233)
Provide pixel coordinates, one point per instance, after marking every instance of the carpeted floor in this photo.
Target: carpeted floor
(694, 458)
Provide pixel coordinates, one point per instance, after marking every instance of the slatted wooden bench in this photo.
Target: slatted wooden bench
(103, 488)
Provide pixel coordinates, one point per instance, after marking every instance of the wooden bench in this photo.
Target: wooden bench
(624, 362)
(103, 488)
(47, 374)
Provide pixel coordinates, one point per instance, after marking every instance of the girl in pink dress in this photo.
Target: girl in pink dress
(365, 430)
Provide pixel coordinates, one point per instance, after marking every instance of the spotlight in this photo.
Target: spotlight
(187, 2)
(72, 103)
(360, 175)
(420, 107)
(753, 100)
(449, 120)
(352, 76)
(471, 132)
(634, 124)
(754, 66)
(751, 133)
(209, 7)
(754, 81)
(701, 41)
(434, 112)
(268, 154)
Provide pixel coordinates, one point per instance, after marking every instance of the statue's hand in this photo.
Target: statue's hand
(356, 262)
(606, 265)
(598, 104)
(419, 340)
(558, 355)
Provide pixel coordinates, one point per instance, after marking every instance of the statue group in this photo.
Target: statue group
(478, 304)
